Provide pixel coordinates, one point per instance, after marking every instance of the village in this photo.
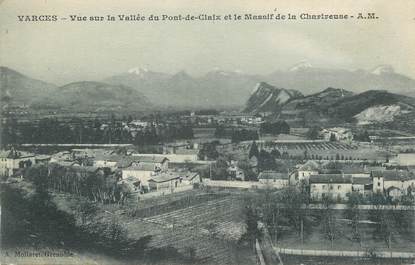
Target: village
(330, 166)
(217, 183)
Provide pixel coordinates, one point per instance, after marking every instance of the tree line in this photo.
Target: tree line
(52, 130)
(287, 211)
(98, 185)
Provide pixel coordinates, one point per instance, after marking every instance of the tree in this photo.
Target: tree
(362, 136)
(275, 127)
(353, 214)
(293, 201)
(253, 151)
(266, 161)
(382, 217)
(275, 153)
(219, 171)
(244, 135)
(247, 169)
(329, 220)
(252, 230)
(208, 151)
(86, 210)
(312, 133)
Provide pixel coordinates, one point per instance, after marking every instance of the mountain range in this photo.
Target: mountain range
(140, 88)
(19, 90)
(330, 104)
(232, 88)
(93, 96)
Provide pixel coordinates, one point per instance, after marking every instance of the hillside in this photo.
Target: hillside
(374, 106)
(319, 102)
(348, 108)
(18, 89)
(265, 97)
(94, 96)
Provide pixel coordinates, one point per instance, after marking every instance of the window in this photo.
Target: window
(324, 186)
(338, 187)
(378, 184)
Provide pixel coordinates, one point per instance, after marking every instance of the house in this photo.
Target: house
(158, 162)
(275, 179)
(338, 133)
(235, 172)
(181, 148)
(336, 186)
(12, 160)
(191, 178)
(392, 180)
(142, 172)
(165, 181)
(362, 185)
(185, 155)
(404, 159)
(173, 179)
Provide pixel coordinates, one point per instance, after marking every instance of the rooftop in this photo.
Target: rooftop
(273, 175)
(164, 177)
(393, 175)
(141, 167)
(150, 158)
(331, 178)
(362, 180)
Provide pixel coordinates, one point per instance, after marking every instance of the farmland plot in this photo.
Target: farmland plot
(329, 151)
(209, 229)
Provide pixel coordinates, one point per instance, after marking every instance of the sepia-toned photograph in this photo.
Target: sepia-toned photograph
(180, 132)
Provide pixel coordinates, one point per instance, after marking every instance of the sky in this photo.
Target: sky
(64, 51)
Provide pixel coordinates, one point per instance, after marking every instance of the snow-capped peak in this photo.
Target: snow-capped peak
(301, 66)
(138, 71)
(383, 69)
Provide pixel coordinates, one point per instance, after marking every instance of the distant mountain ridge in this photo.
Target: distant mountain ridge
(94, 96)
(18, 90)
(215, 89)
(331, 103)
(232, 88)
(309, 79)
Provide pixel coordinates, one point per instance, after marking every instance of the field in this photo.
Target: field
(329, 150)
(198, 225)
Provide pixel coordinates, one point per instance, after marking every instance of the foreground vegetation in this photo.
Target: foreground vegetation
(293, 224)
